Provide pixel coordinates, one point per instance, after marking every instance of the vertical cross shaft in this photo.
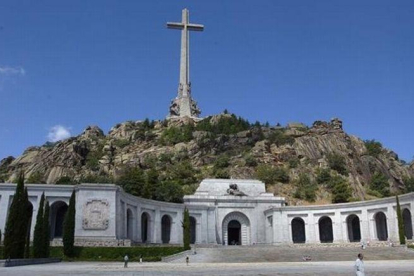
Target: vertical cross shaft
(183, 105)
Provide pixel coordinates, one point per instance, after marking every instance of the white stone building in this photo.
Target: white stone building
(220, 213)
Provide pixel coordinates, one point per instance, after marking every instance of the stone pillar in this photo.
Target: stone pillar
(157, 226)
(337, 228)
(138, 222)
(365, 227)
(313, 230)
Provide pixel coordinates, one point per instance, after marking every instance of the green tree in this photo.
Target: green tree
(46, 231)
(401, 233)
(409, 184)
(306, 188)
(271, 175)
(38, 234)
(1, 236)
(279, 138)
(132, 181)
(341, 192)
(337, 163)
(29, 212)
(323, 176)
(69, 228)
(379, 183)
(186, 229)
(374, 148)
(15, 234)
(169, 191)
(64, 180)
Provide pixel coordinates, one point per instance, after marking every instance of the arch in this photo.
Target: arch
(166, 229)
(354, 228)
(408, 224)
(58, 211)
(193, 230)
(145, 218)
(298, 230)
(381, 226)
(234, 223)
(130, 224)
(325, 230)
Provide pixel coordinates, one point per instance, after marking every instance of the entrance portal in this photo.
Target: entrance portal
(236, 229)
(234, 233)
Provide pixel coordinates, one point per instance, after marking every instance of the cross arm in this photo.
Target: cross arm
(175, 25)
(195, 27)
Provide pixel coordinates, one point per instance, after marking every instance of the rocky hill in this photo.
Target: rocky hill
(157, 159)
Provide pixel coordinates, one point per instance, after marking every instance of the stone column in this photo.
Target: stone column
(337, 228)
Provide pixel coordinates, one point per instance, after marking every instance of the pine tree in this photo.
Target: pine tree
(186, 230)
(15, 235)
(38, 250)
(401, 233)
(69, 228)
(46, 231)
(0, 236)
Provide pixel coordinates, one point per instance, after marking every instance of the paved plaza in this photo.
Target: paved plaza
(327, 260)
(149, 269)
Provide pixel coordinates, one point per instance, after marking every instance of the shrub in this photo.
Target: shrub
(64, 180)
(271, 175)
(132, 181)
(306, 188)
(38, 235)
(174, 135)
(379, 183)
(186, 229)
(92, 159)
(409, 184)
(341, 192)
(323, 176)
(337, 163)
(169, 191)
(223, 161)
(293, 162)
(250, 161)
(121, 143)
(374, 148)
(278, 137)
(224, 125)
(36, 178)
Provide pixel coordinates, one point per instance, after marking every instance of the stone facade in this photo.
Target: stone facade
(222, 211)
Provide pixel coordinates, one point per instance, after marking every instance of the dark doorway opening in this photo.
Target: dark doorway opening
(325, 230)
(354, 229)
(193, 224)
(381, 226)
(58, 212)
(298, 230)
(165, 229)
(144, 227)
(234, 233)
(408, 224)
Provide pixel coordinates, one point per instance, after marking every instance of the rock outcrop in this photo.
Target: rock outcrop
(149, 145)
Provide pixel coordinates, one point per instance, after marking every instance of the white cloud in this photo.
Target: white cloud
(9, 71)
(58, 133)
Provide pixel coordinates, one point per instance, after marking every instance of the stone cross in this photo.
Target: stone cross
(183, 105)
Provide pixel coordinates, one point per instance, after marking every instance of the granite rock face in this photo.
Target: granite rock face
(133, 143)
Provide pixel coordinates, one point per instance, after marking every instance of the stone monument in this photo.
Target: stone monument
(183, 105)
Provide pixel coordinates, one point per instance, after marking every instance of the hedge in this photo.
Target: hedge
(149, 254)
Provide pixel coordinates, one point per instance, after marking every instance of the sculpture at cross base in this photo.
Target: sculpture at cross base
(184, 105)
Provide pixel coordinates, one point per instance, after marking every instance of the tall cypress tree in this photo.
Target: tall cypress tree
(186, 229)
(401, 233)
(46, 231)
(69, 228)
(29, 213)
(38, 251)
(15, 234)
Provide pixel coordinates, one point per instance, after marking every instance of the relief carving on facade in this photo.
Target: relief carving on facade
(95, 215)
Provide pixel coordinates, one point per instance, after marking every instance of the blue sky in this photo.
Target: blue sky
(78, 63)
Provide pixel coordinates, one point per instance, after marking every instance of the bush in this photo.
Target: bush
(250, 161)
(341, 192)
(174, 135)
(121, 143)
(271, 175)
(337, 163)
(64, 180)
(293, 162)
(69, 228)
(224, 125)
(36, 178)
(223, 161)
(132, 181)
(379, 183)
(374, 148)
(323, 176)
(169, 191)
(306, 188)
(278, 137)
(409, 184)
